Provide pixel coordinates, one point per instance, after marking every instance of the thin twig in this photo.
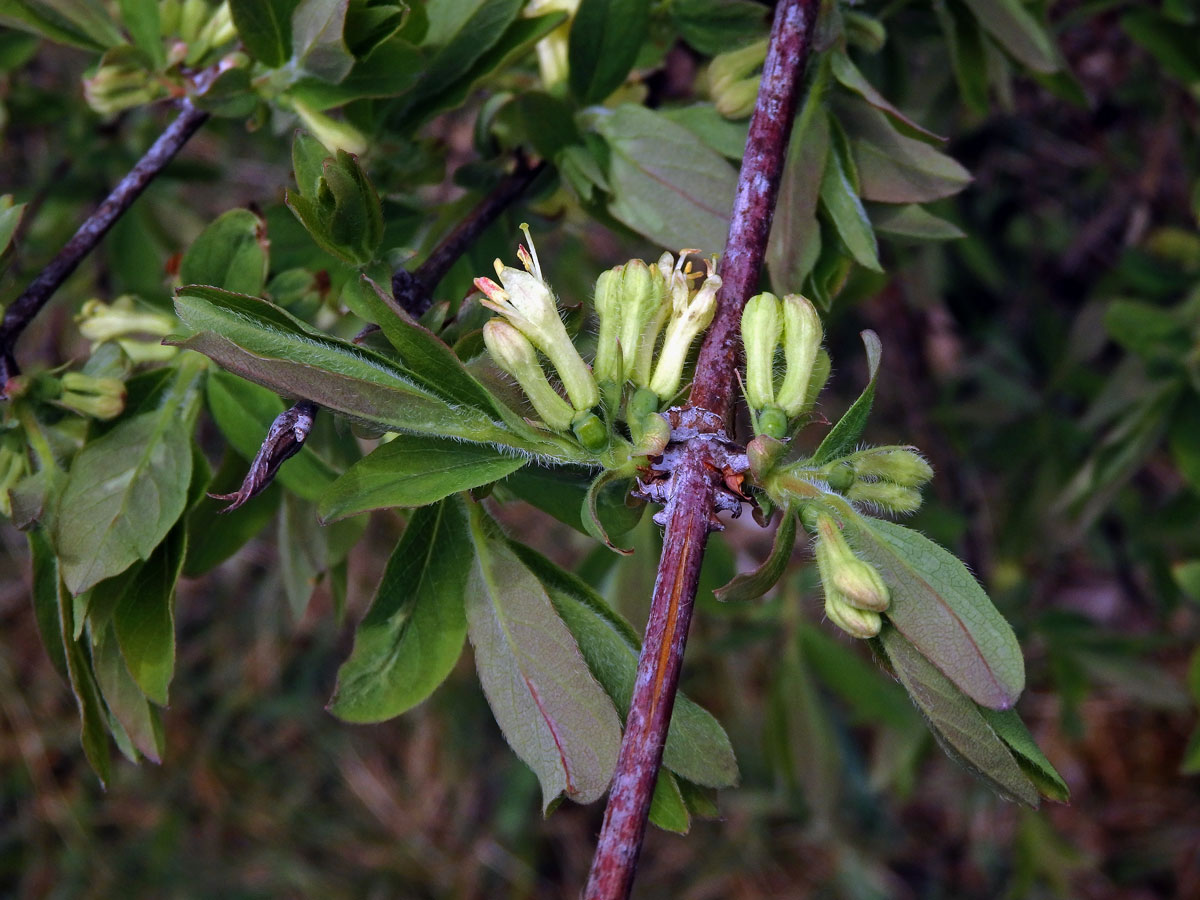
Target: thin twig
(695, 479)
(414, 290)
(23, 310)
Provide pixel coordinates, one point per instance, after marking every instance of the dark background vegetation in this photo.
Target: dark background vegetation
(1009, 360)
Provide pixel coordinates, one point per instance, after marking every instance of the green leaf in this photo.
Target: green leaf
(303, 552)
(665, 184)
(46, 597)
(92, 714)
(667, 808)
(308, 162)
(141, 20)
(795, 242)
(968, 53)
(715, 26)
(79, 23)
(414, 470)
(265, 27)
(752, 585)
(1008, 725)
(956, 722)
(844, 436)
(10, 218)
(939, 606)
(724, 135)
(1016, 30)
(605, 38)
(894, 168)
(1187, 577)
(144, 618)
(561, 491)
(697, 747)
(231, 253)
(262, 343)
(873, 698)
(852, 79)
(230, 95)
(462, 31)
(214, 535)
(126, 489)
(841, 203)
(551, 709)
(590, 513)
(244, 412)
(390, 69)
(516, 41)
(413, 634)
(317, 44)
(912, 222)
(125, 699)
(424, 355)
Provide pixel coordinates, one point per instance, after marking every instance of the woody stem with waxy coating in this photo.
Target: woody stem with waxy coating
(21, 311)
(690, 508)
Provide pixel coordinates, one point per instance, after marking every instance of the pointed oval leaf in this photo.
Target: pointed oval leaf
(553, 712)
(843, 437)
(697, 747)
(752, 585)
(230, 253)
(939, 606)
(666, 184)
(606, 36)
(412, 635)
(414, 470)
(1013, 26)
(126, 489)
(841, 203)
(1008, 725)
(124, 699)
(265, 27)
(852, 79)
(956, 721)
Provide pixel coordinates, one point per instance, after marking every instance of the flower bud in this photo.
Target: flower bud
(762, 326)
(853, 580)
(894, 498)
(526, 301)
(802, 335)
(13, 467)
(120, 82)
(643, 296)
(99, 322)
(858, 623)
(690, 315)
(733, 79)
(607, 366)
(900, 465)
(513, 352)
(90, 395)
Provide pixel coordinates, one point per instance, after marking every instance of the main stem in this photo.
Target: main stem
(21, 311)
(624, 828)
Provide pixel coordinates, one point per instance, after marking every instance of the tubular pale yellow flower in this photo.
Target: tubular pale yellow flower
(690, 315)
(526, 301)
(513, 352)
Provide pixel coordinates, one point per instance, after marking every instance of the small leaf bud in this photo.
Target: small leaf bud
(514, 353)
(762, 453)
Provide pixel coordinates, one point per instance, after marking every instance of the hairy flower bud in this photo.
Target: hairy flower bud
(894, 498)
(762, 325)
(858, 623)
(121, 81)
(513, 352)
(855, 581)
(802, 336)
(526, 301)
(91, 395)
(733, 79)
(607, 366)
(138, 333)
(691, 313)
(900, 465)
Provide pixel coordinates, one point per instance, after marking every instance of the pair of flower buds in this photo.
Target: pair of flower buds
(636, 304)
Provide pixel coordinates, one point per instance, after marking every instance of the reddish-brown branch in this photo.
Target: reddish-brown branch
(695, 478)
(21, 311)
